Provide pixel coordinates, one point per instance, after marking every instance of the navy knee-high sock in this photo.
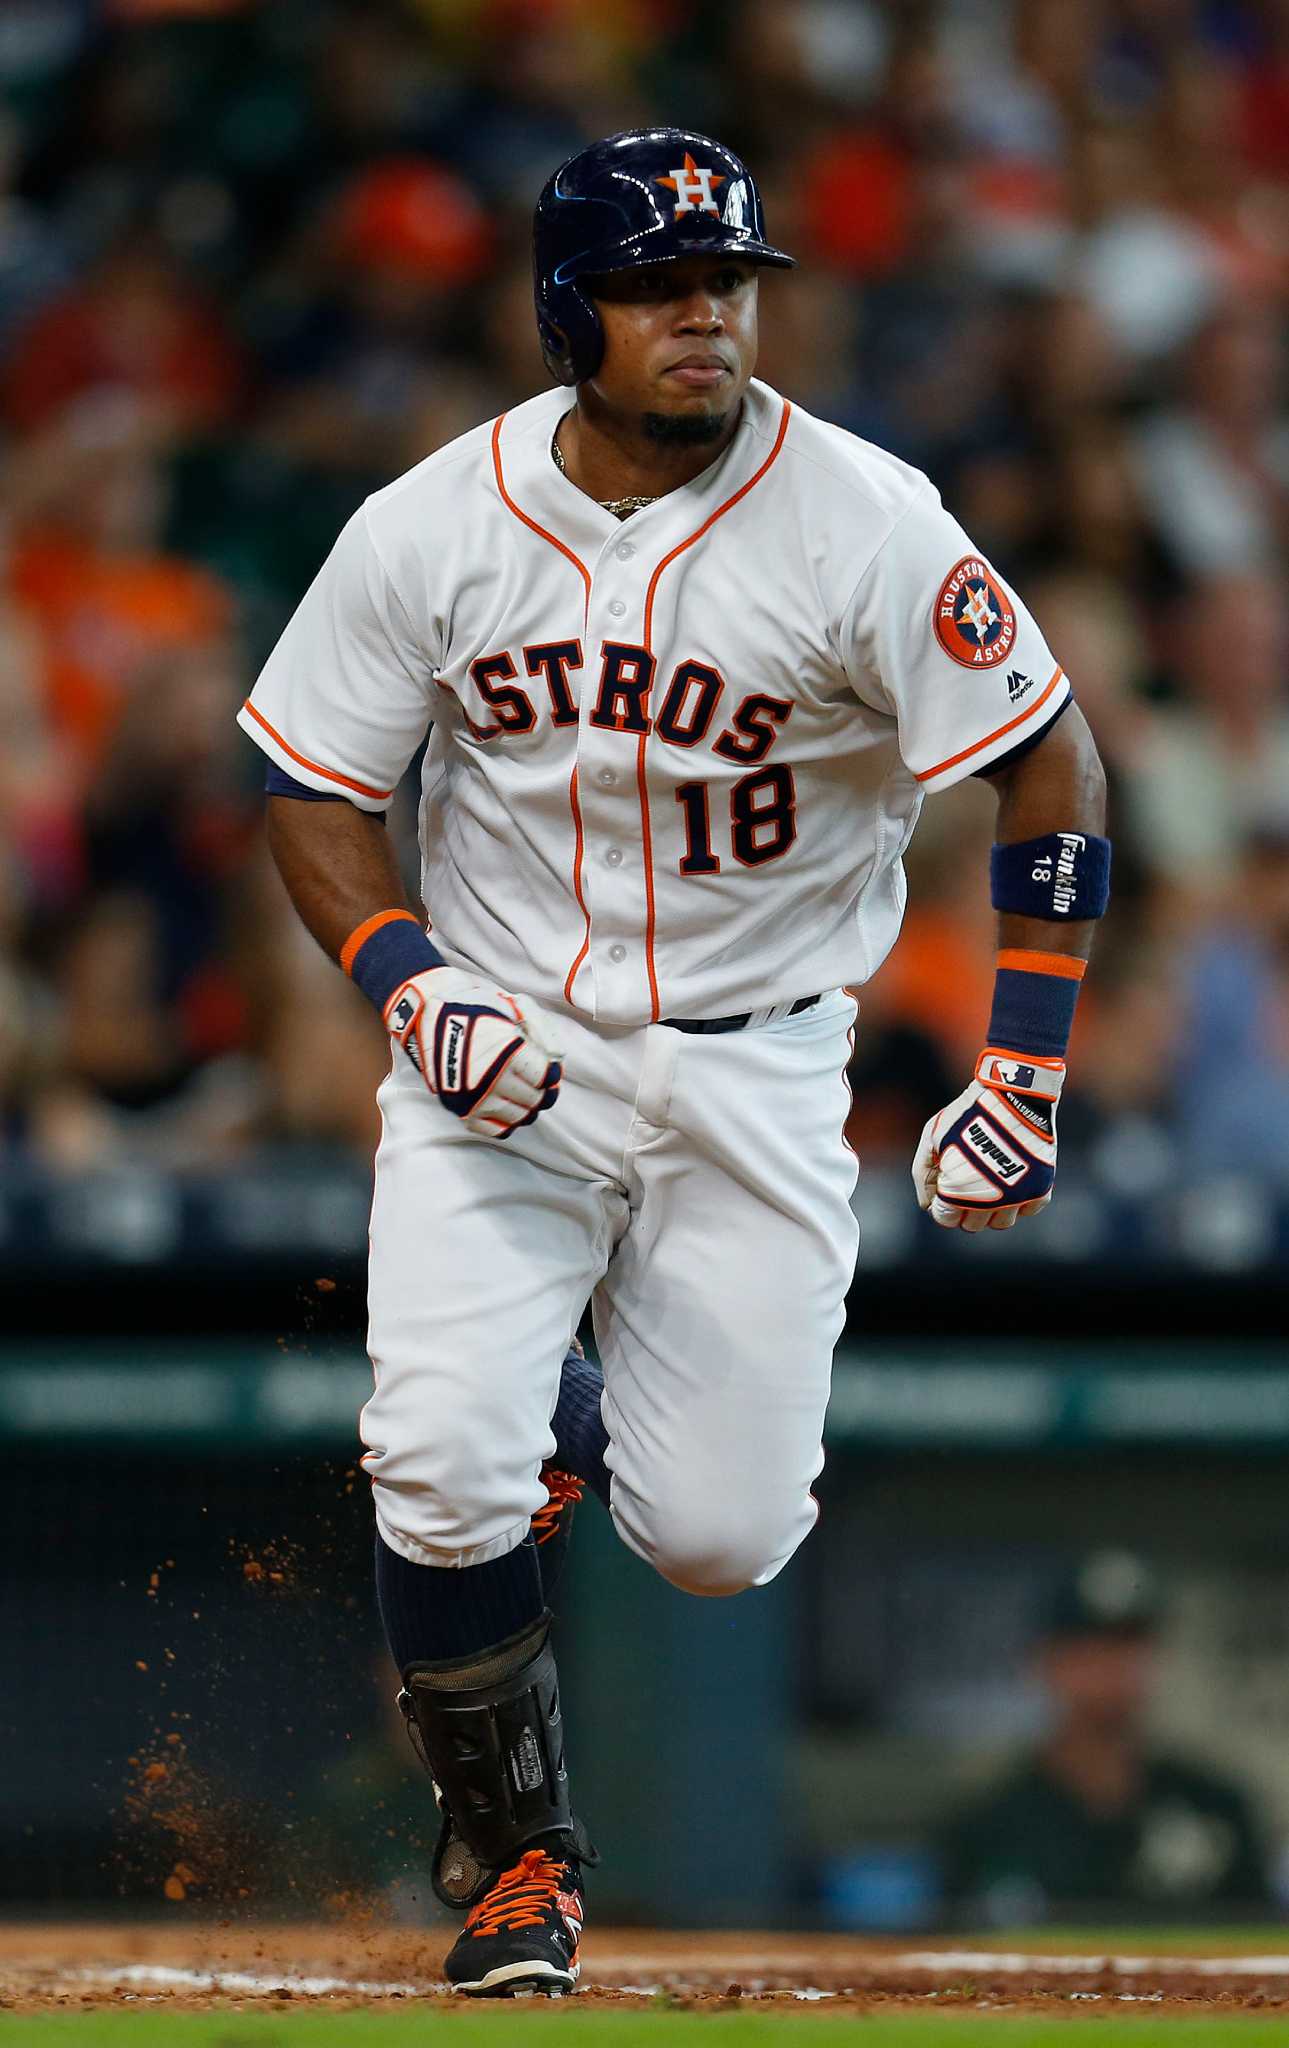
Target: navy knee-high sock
(580, 1436)
(432, 1613)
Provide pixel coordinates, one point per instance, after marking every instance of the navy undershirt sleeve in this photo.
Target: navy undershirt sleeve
(1025, 746)
(278, 783)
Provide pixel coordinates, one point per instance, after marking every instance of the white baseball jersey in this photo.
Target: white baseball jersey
(673, 762)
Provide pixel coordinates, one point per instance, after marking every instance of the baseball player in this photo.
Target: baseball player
(689, 661)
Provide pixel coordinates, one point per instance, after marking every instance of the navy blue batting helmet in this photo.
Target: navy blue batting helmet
(645, 196)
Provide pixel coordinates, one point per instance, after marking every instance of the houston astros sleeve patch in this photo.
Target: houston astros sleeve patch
(975, 620)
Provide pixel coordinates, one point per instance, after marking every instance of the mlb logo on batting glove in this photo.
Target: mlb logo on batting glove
(990, 1157)
(403, 1023)
(475, 1048)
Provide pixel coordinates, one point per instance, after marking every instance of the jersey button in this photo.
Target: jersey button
(606, 778)
(617, 608)
(613, 857)
(624, 551)
(617, 954)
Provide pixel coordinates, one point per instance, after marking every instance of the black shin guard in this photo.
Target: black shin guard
(489, 1731)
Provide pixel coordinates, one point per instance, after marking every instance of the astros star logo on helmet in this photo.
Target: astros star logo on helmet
(693, 186)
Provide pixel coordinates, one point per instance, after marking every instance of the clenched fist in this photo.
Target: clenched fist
(483, 1055)
(990, 1157)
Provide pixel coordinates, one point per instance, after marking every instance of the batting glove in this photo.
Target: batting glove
(476, 1049)
(990, 1157)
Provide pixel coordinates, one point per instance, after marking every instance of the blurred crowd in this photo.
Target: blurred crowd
(258, 256)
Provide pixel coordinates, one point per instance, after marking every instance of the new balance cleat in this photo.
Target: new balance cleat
(524, 1933)
(563, 1492)
(552, 1526)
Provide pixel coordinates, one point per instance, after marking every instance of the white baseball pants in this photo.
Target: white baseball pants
(697, 1191)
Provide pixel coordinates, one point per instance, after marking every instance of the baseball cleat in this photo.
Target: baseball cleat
(523, 1935)
(552, 1526)
(564, 1490)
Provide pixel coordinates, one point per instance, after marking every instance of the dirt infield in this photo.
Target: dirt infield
(205, 1966)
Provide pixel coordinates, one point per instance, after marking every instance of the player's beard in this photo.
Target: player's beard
(685, 429)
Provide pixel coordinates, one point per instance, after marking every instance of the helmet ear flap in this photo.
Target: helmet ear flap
(572, 352)
(556, 353)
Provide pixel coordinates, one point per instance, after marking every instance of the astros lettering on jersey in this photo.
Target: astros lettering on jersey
(673, 763)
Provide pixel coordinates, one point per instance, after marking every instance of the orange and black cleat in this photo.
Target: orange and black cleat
(564, 1490)
(552, 1526)
(524, 1934)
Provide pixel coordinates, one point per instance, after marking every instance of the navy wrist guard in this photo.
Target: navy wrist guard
(1063, 877)
(385, 951)
(1034, 1000)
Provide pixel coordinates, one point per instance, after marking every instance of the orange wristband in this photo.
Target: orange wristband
(1034, 998)
(1022, 961)
(360, 934)
(384, 951)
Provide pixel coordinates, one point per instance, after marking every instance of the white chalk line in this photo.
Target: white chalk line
(1014, 1963)
(939, 1963)
(248, 1983)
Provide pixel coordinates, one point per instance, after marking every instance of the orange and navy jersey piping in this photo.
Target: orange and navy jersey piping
(575, 808)
(642, 782)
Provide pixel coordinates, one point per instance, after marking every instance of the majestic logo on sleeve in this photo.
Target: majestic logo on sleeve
(692, 185)
(975, 621)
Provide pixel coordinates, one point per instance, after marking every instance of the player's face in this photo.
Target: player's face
(679, 340)
(1106, 1679)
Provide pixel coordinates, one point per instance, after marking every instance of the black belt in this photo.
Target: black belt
(705, 1027)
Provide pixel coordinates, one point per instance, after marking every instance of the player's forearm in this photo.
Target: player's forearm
(1050, 882)
(337, 865)
(476, 1049)
(1058, 788)
(990, 1157)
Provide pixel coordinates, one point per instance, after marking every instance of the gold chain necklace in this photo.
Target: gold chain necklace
(621, 508)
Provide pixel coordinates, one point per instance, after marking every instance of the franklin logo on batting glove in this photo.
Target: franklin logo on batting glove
(990, 1157)
(476, 1049)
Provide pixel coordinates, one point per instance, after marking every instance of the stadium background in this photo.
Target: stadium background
(255, 259)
